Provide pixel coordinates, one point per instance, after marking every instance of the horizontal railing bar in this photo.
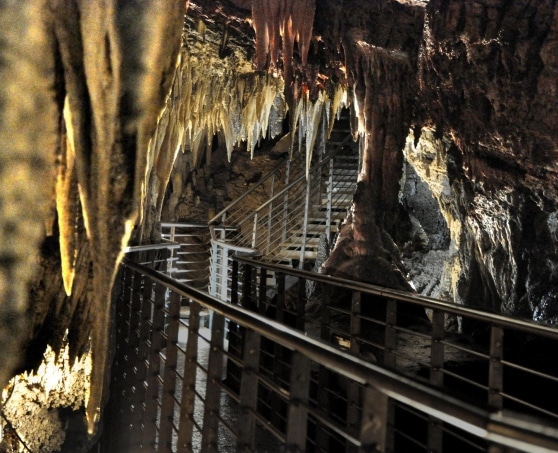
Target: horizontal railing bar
(460, 378)
(530, 371)
(183, 225)
(462, 438)
(372, 343)
(477, 314)
(149, 247)
(267, 426)
(495, 427)
(279, 194)
(517, 400)
(411, 439)
(321, 417)
(472, 352)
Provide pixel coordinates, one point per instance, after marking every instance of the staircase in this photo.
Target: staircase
(304, 213)
(295, 226)
(330, 197)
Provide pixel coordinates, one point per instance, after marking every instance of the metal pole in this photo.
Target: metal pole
(435, 429)
(255, 230)
(305, 222)
(210, 435)
(187, 406)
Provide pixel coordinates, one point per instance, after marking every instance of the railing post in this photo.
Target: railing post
(374, 425)
(247, 287)
(187, 405)
(353, 391)
(169, 376)
(154, 365)
(324, 374)
(210, 435)
(234, 333)
(278, 350)
(249, 392)
(148, 435)
(120, 430)
(286, 204)
(390, 340)
(262, 291)
(496, 371)
(435, 431)
(297, 418)
(270, 217)
(255, 230)
(172, 252)
(224, 273)
(329, 193)
(213, 273)
(305, 222)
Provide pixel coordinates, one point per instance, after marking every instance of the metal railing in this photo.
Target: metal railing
(168, 392)
(270, 183)
(415, 336)
(280, 227)
(160, 257)
(223, 248)
(191, 259)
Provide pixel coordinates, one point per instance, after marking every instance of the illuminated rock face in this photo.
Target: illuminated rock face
(488, 83)
(82, 86)
(482, 80)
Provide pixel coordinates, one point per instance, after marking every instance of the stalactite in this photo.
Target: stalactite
(278, 25)
(212, 94)
(209, 94)
(111, 107)
(67, 204)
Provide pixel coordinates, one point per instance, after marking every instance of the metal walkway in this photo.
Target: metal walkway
(318, 364)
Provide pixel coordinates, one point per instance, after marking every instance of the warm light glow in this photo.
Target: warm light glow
(30, 400)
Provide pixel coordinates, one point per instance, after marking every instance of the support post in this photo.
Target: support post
(374, 426)
(249, 392)
(186, 429)
(297, 418)
(435, 428)
(496, 371)
(210, 435)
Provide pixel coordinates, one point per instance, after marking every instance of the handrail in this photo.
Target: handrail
(248, 192)
(148, 247)
(236, 248)
(320, 164)
(498, 427)
(183, 225)
(431, 303)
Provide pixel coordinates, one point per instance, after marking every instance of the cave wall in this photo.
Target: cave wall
(488, 86)
(479, 96)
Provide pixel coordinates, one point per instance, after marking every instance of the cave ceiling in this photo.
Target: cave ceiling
(99, 97)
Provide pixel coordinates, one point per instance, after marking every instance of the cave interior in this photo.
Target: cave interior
(116, 116)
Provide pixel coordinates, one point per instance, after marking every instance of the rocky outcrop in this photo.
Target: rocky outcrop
(488, 86)
(82, 87)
